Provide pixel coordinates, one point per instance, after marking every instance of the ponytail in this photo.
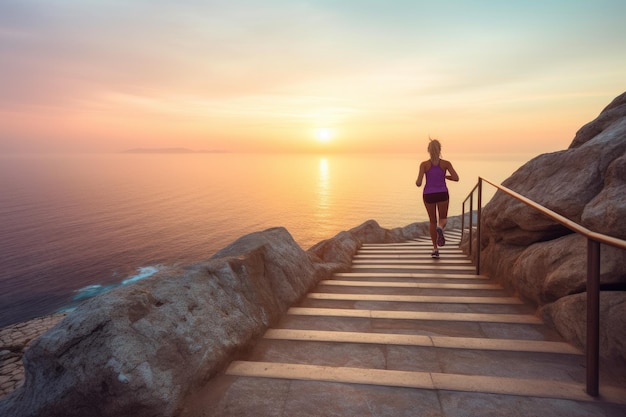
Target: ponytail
(434, 149)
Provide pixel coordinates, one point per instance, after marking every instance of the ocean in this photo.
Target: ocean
(75, 225)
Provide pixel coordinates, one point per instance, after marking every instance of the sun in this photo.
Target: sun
(324, 134)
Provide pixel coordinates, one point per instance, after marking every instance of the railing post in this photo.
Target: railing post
(593, 317)
(471, 221)
(478, 225)
(462, 222)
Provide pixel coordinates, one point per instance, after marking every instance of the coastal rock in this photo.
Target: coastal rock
(615, 111)
(566, 314)
(548, 271)
(606, 212)
(139, 350)
(543, 260)
(340, 249)
(582, 183)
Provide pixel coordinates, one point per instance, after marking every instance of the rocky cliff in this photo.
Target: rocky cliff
(545, 262)
(139, 350)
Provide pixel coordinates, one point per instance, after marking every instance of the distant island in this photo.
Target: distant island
(169, 150)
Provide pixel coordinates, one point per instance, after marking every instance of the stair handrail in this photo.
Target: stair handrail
(594, 239)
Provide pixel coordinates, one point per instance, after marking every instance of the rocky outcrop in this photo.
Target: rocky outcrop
(567, 313)
(139, 349)
(541, 259)
(338, 251)
(614, 112)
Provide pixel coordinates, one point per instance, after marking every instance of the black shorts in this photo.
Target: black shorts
(436, 197)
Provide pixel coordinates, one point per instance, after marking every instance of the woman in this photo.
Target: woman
(436, 198)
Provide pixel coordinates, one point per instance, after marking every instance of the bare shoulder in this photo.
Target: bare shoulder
(444, 163)
(425, 165)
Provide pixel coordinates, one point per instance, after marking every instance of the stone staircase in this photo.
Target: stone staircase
(403, 334)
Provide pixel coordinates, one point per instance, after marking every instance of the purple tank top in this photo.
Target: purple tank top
(435, 180)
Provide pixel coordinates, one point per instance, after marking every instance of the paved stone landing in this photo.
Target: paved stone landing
(14, 340)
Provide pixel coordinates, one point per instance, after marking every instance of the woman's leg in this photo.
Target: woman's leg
(442, 208)
(431, 209)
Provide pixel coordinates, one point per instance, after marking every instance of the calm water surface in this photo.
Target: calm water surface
(72, 226)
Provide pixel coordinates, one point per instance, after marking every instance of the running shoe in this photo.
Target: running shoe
(435, 254)
(441, 239)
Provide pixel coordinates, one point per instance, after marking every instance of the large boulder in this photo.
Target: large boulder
(340, 249)
(547, 271)
(614, 112)
(583, 183)
(567, 313)
(606, 212)
(138, 350)
(575, 182)
(543, 260)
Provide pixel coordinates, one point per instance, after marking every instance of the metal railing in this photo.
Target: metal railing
(594, 240)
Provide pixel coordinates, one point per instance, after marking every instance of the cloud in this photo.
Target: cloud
(283, 61)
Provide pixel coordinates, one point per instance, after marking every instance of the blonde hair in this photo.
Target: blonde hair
(434, 148)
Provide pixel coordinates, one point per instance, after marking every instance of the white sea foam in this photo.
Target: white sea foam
(144, 272)
(93, 290)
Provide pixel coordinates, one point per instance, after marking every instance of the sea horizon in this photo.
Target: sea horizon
(77, 225)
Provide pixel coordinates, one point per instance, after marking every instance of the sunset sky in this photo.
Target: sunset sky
(312, 76)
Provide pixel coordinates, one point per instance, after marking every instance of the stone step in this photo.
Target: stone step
(411, 276)
(415, 298)
(395, 257)
(429, 285)
(424, 380)
(408, 254)
(415, 315)
(424, 261)
(424, 327)
(408, 250)
(399, 246)
(407, 247)
(424, 307)
(413, 253)
(420, 340)
(416, 358)
(401, 249)
(452, 239)
(438, 265)
(410, 288)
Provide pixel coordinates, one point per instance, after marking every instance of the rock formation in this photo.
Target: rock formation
(337, 253)
(140, 349)
(543, 260)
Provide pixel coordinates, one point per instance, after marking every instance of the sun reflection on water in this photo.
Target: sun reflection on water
(323, 189)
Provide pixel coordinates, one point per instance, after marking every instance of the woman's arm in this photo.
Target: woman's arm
(420, 176)
(453, 175)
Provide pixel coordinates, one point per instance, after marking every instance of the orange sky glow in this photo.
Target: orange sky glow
(240, 76)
